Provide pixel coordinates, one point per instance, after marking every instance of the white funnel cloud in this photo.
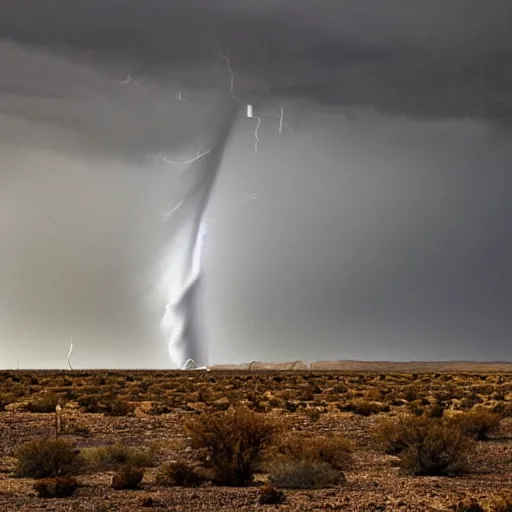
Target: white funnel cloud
(182, 273)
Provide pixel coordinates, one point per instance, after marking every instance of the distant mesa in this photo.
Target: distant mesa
(258, 366)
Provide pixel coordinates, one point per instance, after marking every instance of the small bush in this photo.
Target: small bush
(478, 423)
(436, 449)
(270, 495)
(362, 407)
(118, 408)
(45, 404)
(393, 436)
(179, 474)
(301, 474)
(45, 458)
(127, 477)
(60, 487)
(230, 443)
(468, 506)
(336, 450)
(105, 458)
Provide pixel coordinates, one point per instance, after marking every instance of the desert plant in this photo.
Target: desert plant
(362, 407)
(393, 436)
(478, 423)
(46, 457)
(335, 450)
(104, 458)
(230, 443)
(59, 487)
(44, 404)
(117, 407)
(302, 474)
(127, 477)
(436, 448)
(270, 495)
(179, 474)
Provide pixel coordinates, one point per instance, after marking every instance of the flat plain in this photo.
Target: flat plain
(147, 411)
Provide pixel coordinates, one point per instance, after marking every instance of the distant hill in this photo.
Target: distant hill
(374, 366)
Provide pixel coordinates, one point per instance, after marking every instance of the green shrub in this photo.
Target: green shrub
(127, 477)
(230, 443)
(59, 487)
(118, 408)
(46, 457)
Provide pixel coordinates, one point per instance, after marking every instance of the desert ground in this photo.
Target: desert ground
(144, 414)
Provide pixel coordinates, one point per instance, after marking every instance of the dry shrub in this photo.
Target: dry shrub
(362, 407)
(436, 449)
(118, 407)
(335, 451)
(45, 404)
(43, 458)
(105, 458)
(270, 495)
(303, 474)
(60, 487)
(231, 443)
(426, 446)
(179, 474)
(393, 436)
(127, 477)
(478, 423)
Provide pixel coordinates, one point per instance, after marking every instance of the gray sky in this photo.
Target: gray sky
(380, 227)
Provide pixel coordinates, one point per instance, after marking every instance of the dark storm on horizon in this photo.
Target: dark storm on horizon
(363, 212)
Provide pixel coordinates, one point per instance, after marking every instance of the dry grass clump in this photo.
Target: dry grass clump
(180, 474)
(44, 404)
(270, 495)
(300, 461)
(43, 458)
(59, 487)
(105, 458)
(127, 477)
(425, 445)
(303, 474)
(478, 423)
(501, 503)
(335, 451)
(231, 443)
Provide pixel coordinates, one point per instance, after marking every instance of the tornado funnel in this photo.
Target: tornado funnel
(181, 280)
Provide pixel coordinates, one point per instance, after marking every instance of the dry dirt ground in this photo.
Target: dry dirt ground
(323, 402)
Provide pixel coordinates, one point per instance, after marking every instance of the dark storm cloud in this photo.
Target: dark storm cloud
(421, 58)
(381, 225)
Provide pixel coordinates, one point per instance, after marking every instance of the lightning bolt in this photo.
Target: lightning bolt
(129, 80)
(249, 107)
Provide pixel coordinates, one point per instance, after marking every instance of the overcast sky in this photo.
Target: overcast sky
(376, 226)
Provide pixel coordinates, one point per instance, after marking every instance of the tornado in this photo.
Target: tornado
(183, 232)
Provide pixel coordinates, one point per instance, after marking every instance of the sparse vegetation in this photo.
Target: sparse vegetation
(59, 487)
(105, 458)
(295, 430)
(231, 443)
(127, 477)
(270, 495)
(179, 474)
(43, 458)
(303, 474)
